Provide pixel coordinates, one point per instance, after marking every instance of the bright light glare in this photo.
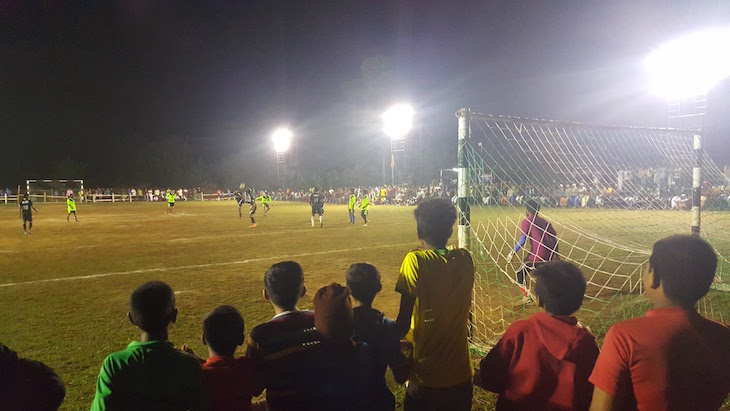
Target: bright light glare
(281, 139)
(398, 120)
(690, 65)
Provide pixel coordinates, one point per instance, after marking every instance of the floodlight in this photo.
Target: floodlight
(398, 121)
(690, 65)
(281, 139)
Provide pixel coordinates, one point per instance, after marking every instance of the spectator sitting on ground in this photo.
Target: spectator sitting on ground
(150, 374)
(436, 286)
(544, 362)
(378, 332)
(229, 382)
(27, 384)
(672, 359)
(279, 347)
(339, 373)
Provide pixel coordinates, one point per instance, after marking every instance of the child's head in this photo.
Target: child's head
(363, 279)
(435, 218)
(152, 306)
(333, 316)
(284, 284)
(223, 330)
(683, 266)
(532, 207)
(560, 287)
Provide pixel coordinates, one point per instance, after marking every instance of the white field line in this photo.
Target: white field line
(193, 266)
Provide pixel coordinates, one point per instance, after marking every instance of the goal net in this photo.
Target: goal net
(54, 190)
(609, 192)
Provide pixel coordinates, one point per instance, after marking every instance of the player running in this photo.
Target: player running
(365, 206)
(543, 245)
(265, 200)
(26, 213)
(250, 198)
(171, 197)
(351, 206)
(316, 200)
(71, 206)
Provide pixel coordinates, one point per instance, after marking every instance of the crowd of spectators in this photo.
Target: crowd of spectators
(335, 357)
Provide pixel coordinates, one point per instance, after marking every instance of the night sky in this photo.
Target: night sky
(97, 83)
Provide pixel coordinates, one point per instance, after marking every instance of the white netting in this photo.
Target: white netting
(609, 192)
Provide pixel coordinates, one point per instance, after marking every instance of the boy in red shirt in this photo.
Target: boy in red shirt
(229, 382)
(673, 358)
(543, 363)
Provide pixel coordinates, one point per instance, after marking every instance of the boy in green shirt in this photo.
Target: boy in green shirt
(171, 197)
(150, 374)
(365, 206)
(351, 206)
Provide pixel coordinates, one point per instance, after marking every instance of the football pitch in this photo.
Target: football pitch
(64, 289)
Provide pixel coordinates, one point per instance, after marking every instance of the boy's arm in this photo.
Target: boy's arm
(602, 401)
(103, 395)
(494, 368)
(253, 351)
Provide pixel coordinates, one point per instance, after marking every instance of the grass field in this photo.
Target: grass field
(64, 289)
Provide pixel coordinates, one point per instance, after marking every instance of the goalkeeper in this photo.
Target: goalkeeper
(543, 245)
(265, 200)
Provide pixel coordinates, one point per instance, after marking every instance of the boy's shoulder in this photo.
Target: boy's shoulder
(293, 320)
(136, 353)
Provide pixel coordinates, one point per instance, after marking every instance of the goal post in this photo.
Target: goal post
(44, 190)
(610, 192)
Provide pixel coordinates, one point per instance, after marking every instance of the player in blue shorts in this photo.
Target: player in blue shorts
(316, 200)
(251, 199)
(26, 213)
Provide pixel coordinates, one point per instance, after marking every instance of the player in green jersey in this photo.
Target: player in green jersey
(365, 206)
(171, 197)
(265, 200)
(71, 206)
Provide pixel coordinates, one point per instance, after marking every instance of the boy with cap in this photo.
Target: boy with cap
(544, 362)
(150, 374)
(339, 372)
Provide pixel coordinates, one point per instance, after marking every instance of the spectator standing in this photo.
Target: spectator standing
(544, 362)
(673, 358)
(435, 286)
(150, 374)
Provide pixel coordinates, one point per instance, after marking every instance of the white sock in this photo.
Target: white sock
(320, 220)
(313, 220)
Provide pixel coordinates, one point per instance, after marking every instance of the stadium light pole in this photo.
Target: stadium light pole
(282, 141)
(683, 71)
(397, 123)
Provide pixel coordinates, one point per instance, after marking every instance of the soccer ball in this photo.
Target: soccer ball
(242, 186)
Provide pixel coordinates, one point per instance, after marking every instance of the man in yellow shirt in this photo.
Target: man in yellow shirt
(436, 284)
(71, 206)
(171, 197)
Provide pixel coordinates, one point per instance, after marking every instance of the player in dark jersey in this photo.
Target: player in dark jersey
(251, 199)
(316, 200)
(240, 200)
(26, 213)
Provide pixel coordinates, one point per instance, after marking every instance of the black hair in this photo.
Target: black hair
(532, 206)
(152, 305)
(223, 330)
(560, 287)
(435, 218)
(283, 283)
(685, 265)
(28, 384)
(25, 195)
(363, 279)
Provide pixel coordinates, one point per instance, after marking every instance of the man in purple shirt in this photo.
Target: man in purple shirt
(543, 245)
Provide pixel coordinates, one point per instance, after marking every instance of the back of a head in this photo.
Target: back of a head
(223, 329)
(333, 315)
(685, 265)
(532, 206)
(283, 283)
(28, 384)
(152, 305)
(363, 279)
(560, 287)
(435, 218)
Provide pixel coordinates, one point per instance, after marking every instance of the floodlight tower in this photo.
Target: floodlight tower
(397, 123)
(282, 141)
(683, 71)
